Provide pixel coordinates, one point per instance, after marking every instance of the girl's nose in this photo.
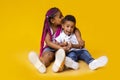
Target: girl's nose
(62, 18)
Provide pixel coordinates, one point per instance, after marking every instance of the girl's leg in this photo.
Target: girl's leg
(59, 62)
(34, 59)
(42, 62)
(47, 58)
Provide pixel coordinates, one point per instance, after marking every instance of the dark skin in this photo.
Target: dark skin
(55, 46)
(48, 56)
(80, 40)
(65, 45)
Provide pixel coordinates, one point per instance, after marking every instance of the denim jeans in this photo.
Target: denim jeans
(80, 55)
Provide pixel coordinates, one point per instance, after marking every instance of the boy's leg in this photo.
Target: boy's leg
(99, 62)
(93, 64)
(84, 55)
(73, 55)
(69, 63)
(71, 60)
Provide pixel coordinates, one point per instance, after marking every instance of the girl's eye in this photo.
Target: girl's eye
(60, 16)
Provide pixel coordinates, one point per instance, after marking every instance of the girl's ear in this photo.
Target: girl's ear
(52, 21)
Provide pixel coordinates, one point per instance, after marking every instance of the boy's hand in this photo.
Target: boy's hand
(66, 48)
(82, 43)
(69, 45)
(63, 44)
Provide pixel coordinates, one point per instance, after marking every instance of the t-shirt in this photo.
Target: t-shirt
(63, 37)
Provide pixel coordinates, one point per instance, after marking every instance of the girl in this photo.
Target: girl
(52, 28)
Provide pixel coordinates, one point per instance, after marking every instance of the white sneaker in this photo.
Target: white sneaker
(33, 58)
(100, 62)
(59, 61)
(71, 63)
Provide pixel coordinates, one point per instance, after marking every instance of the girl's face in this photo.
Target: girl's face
(68, 27)
(57, 19)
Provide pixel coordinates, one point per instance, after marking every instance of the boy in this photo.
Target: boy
(75, 51)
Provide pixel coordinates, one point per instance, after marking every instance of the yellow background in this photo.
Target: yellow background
(21, 23)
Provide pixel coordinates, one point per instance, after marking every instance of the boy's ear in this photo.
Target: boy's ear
(63, 26)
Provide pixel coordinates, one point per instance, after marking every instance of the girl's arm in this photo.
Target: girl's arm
(50, 43)
(54, 45)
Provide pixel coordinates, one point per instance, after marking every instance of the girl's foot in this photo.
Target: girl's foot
(33, 58)
(59, 61)
(100, 62)
(71, 63)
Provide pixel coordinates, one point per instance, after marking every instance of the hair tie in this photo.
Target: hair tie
(47, 16)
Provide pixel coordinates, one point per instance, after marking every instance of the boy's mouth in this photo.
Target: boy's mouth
(68, 33)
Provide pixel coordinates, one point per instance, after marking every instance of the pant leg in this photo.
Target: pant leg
(84, 55)
(73, 56)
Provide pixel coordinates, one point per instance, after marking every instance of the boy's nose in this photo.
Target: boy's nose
(69, 29)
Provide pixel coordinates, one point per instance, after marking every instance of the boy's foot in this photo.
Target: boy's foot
(59, 61)
(100, 62)
(71, 63)
(33, 58)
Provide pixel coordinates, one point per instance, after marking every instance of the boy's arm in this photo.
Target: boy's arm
(79, 38)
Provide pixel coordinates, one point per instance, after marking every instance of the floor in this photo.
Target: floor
(21, 28)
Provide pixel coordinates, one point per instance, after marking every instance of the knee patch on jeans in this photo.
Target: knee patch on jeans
(73, 56)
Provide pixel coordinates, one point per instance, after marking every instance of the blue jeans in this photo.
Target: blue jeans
(80, 55)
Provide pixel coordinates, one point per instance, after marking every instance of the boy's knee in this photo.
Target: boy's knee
(73, 56)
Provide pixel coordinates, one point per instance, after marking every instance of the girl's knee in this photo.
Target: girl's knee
(47, 58)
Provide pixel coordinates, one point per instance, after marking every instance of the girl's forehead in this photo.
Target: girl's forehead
(58, 13)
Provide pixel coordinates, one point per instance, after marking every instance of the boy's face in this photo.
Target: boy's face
(68, 27)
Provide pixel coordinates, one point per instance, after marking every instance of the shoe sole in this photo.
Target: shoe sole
(33, 58)
(71, 63)
(100, 62)
(59, 61)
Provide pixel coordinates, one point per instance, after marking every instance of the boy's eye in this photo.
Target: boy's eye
(72, 27)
